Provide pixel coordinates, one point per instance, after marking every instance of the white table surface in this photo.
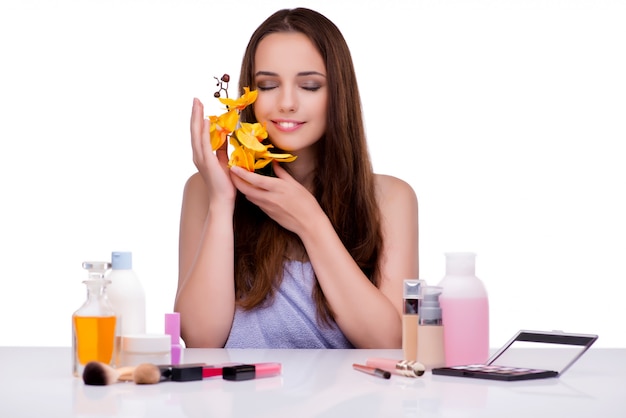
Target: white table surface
(37, 382)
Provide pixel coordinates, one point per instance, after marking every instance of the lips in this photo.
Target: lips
(287, 125)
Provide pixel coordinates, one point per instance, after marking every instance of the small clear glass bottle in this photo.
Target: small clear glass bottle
(94, 323)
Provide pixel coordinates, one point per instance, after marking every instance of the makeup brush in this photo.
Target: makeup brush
(147, 374)
(408, 368)
(99, 374)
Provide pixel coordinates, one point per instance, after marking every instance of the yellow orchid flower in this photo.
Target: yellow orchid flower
(241, 156)
(249, 151)
(221, 127)
(283, 158)
(266, 157)
(241, 103)
(251, 135)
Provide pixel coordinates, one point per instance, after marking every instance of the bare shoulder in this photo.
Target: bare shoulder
(392, 191)
(397, 203)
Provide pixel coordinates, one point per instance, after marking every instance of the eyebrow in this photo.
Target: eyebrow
(300, 74)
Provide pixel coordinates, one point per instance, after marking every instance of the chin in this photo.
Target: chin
(290, 147)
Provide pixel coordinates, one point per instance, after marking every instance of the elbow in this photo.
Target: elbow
(390, 342)
(196, 333)
(200, 340)
(381, 340)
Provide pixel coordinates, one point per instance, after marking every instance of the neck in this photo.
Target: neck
(303, 168)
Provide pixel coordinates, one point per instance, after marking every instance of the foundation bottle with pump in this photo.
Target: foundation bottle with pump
(430, 342)
(411, 296)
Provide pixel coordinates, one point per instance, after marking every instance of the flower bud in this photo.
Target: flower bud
(225, 78)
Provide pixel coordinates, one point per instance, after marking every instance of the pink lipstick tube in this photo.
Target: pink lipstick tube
(228, 371)
(250, 371)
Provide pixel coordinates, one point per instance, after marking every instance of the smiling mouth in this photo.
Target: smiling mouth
(287, 125)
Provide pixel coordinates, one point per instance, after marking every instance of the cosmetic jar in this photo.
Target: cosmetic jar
(145, 348)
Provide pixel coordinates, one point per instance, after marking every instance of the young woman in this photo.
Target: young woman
(314, 256)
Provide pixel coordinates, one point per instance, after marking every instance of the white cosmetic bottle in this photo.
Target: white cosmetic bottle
(126, 294)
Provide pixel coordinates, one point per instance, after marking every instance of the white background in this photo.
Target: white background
(507, 117)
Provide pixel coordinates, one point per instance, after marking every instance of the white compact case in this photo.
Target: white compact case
(145, 348)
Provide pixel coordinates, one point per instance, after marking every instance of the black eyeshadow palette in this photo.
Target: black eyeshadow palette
(484, 371)
(510, 363)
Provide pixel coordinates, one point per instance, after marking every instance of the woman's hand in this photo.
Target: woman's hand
(213, 167)
(282, 198)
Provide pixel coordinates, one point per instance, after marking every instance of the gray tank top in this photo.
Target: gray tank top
(290, 321)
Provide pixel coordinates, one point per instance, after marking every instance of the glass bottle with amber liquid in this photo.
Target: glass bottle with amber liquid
(94, 323)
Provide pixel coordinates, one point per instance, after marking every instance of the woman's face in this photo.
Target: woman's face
(290, 76)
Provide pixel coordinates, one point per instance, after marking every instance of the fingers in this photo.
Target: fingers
(222, 152)
(243, 174)
(205, 143)
(282, 173)
(197, 114)
(200, 134)
(260, 181)
(196, 126)
(279, 170)
(247, 182)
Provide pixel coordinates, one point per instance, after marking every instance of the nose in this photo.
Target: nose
(288, 100)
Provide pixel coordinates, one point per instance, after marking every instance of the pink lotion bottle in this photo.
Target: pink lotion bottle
(465, 309)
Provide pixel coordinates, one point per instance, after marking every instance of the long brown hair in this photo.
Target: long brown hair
(344, 179)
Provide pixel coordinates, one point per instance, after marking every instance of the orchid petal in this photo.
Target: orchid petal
(240, 156)
(250, 136)
(221, 127)
(241, 103)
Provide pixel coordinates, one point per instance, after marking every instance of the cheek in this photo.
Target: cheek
(321, 106)
(323, 116)
(260, 109)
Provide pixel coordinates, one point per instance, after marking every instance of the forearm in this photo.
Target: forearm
(206, 295)
(365, 314)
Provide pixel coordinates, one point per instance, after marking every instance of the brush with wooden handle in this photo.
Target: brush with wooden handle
(99, 374)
